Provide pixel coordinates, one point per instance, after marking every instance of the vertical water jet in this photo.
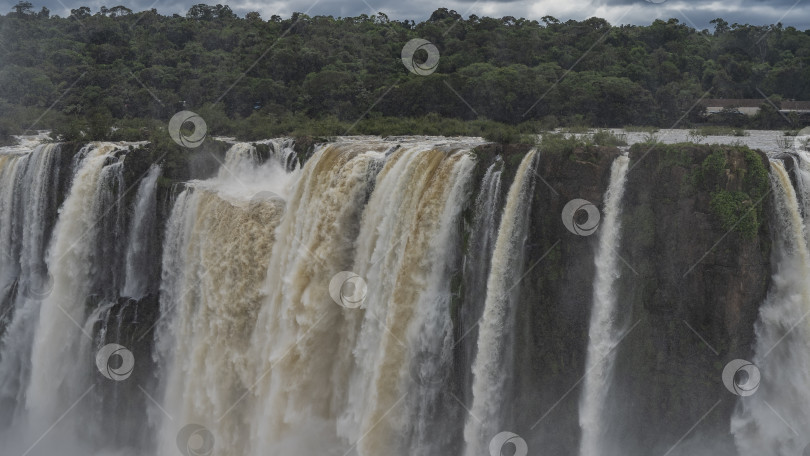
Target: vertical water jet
(605, 329)
(494, 358)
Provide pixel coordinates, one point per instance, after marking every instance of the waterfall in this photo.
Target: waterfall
(217, 246)
(484, 231)
(605, 332)
(142, 232)
(342, 371)
(428, 411)
(282, 150)
(801, 170)
(240, 159)
(775, 418)
(284, 359)
(354, 299)
(57, 379)
(28, 184)
(493, 360)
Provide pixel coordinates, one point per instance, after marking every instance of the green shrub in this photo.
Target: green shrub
(736, 212)
(713, 167)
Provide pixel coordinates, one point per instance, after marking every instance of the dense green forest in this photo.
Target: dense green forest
(257, 77)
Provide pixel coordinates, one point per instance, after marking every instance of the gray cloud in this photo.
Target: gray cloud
(696, 13)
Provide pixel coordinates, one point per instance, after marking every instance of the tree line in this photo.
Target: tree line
(118, 72)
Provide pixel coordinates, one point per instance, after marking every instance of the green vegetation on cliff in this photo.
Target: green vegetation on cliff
(741, 209)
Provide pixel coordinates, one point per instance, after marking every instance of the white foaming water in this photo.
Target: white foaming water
(604, 333)
(476, 267)
(268, 390)
(57, 379)
(493, 359)
(281, 149)
(782, 336)
(254, 347)
(343, 373)
(217, 246)
(141, 233)
(27, 185)
(429, 334)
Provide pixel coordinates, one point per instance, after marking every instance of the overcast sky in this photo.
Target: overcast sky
(696, 13)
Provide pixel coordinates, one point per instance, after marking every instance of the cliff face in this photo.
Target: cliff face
(696, 232)
(694, 267)
(556, 293)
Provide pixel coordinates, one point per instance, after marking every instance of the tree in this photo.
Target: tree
(23, 8)
(549, 20)
(201, 12)
(120, 10)
(720, 26)
(80, 13)
(224, 12)
(442, 14)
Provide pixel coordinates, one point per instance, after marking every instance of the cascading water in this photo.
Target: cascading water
(28, 186)
(345, 372)
(476, 268)
(256, 341)
(142, 232)
(282, 150)
(57, 380)
(493, 360)
(605, 331)
(775, 418)
(218, 244)
(312, 365)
